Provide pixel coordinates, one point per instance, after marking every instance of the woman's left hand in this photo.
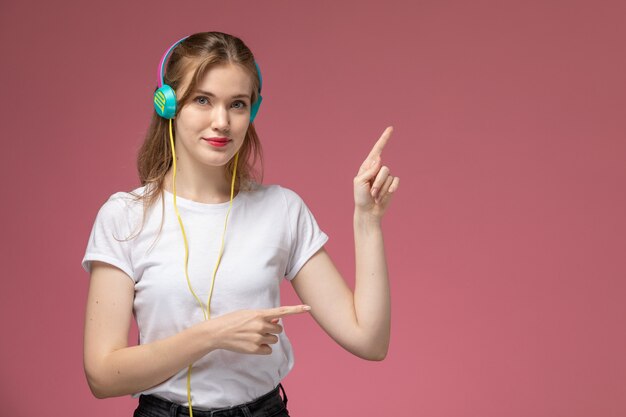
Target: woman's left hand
(373, 184)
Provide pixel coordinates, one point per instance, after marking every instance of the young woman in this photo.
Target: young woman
(198, 251)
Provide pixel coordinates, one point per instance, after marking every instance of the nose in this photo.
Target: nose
(220, 119)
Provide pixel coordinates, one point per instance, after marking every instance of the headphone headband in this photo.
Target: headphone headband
(161, 69)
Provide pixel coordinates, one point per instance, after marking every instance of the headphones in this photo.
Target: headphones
(165, 96)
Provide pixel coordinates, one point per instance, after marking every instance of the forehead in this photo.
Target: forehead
(225, 80)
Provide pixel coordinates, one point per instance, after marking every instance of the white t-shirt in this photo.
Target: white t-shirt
(271, 234)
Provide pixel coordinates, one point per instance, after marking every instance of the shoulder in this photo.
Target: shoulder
(126, 199)
(275, 193)
(122, 205)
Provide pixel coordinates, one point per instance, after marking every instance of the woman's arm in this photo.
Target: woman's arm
(113, 368)
(359, 321)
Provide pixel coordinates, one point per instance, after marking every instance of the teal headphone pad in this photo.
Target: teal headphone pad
(165, 102)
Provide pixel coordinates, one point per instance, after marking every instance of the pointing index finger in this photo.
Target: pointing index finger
(380, 144)
(278, 312)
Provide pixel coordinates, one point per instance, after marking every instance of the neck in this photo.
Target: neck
(208, 185)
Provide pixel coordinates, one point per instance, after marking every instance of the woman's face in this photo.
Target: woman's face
(212, 125)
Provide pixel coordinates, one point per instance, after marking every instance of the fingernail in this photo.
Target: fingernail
(374, 192)
(306, 308)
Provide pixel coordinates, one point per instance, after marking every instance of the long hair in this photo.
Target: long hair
(199, 53)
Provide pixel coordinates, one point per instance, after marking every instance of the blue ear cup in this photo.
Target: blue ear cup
(255, 106)
(165, 102)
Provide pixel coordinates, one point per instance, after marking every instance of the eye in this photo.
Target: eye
(239, 104)
(202, 100)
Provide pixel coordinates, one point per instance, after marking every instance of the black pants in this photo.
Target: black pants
(268, 405)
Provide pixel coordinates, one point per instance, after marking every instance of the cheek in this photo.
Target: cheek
(188, 122)
(238, 129)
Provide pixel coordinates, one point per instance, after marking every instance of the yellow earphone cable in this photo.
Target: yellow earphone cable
(206, 313)
(219, 257)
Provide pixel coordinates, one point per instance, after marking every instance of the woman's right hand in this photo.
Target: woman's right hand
(251, 331)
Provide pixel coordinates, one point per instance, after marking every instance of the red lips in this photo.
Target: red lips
(217, 142)
(216, 139)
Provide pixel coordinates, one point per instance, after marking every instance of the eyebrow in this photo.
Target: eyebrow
(206, 93)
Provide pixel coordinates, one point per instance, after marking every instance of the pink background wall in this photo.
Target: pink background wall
(506, 241)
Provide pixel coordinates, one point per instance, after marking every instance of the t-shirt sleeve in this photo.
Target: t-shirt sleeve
(306, 236)
(109, 240)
